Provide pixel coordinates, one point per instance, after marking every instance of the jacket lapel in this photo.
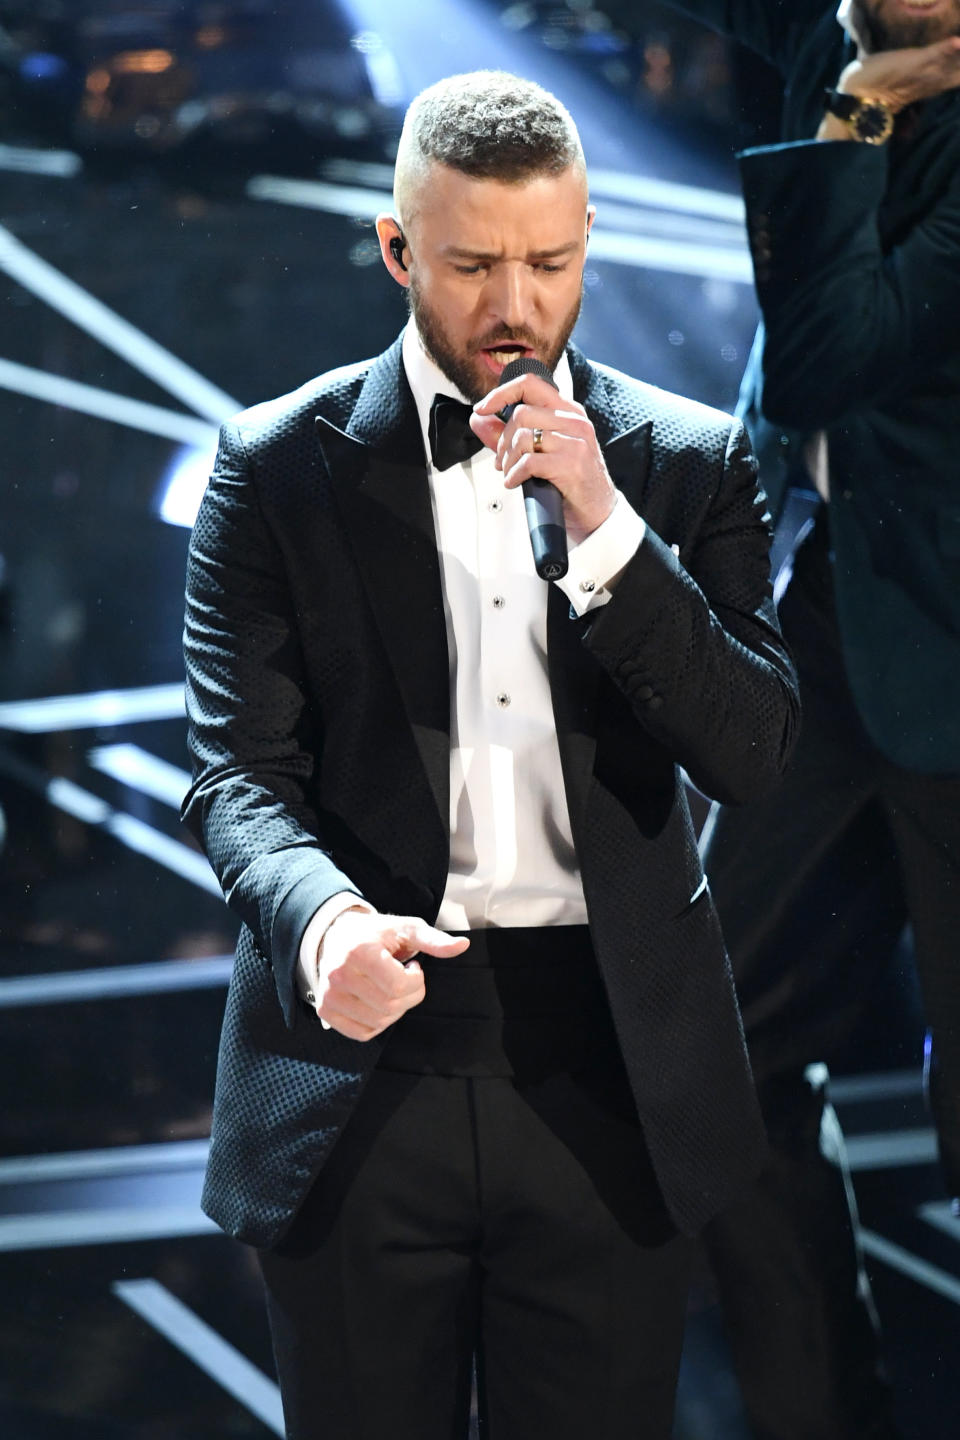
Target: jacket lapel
(625, 434)
(377, 469)
(574, 673)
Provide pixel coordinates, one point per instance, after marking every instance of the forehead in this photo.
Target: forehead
(496, 216)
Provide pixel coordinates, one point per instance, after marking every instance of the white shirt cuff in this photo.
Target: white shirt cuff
(596, 563)
(311, 946)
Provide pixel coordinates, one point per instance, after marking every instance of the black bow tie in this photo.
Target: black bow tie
(451, 440)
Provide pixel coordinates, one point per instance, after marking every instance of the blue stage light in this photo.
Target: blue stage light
(183, 485)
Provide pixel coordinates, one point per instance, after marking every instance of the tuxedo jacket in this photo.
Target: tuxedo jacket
(856, 255)
(319, 704)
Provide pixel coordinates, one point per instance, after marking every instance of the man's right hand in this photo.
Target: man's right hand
(902, 77)
(368, 976)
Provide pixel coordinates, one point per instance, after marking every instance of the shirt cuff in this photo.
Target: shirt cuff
(311, 946)
(596, 563)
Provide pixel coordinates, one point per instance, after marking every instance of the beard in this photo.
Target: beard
(896, 31)
(463, 368)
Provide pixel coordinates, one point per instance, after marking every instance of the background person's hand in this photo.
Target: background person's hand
(902, 77)
(367, 974)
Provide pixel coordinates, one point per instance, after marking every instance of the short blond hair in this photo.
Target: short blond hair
(488, 124)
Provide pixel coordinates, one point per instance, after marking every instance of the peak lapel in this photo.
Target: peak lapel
(623, 431)
(377, 469)
(574, 673)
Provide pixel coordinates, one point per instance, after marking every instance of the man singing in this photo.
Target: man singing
(482, 1072)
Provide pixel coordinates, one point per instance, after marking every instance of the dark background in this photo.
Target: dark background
(186, 196)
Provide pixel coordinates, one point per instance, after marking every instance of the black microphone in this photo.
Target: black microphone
(541, 500)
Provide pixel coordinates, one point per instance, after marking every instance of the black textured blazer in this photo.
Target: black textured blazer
(318, 698)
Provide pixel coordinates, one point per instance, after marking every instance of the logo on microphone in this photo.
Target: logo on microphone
(553, 571)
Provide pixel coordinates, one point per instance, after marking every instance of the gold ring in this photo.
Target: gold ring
(538, 441)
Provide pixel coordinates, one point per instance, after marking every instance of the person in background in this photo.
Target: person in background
(850, 393)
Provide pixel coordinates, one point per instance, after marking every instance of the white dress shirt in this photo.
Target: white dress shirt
(512, 859)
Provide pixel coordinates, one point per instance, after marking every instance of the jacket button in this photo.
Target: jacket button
(644, 692)
(655, 702)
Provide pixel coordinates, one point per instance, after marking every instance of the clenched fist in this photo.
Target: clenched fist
(368, 976)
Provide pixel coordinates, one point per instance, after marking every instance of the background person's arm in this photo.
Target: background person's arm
(848, 324)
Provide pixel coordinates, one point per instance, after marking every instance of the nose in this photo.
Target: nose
(510, 294)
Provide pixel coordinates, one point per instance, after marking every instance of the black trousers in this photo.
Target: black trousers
(506, 1217)
(813, 888)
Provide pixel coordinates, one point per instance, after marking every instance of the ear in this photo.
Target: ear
(388, 234)
(591, 216)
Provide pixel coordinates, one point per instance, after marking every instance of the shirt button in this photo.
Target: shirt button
(498, 602)
(496, 506)
(503, 699)
(588, 586)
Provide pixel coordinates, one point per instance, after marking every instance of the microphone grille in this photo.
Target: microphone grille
(527, 365)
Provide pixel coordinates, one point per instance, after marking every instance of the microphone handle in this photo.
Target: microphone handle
(548, 535)
(543, 505)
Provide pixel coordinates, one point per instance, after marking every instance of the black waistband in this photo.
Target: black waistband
(525, 945)
(520, 1002)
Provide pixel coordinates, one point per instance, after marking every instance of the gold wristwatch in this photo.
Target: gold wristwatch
(870, 119)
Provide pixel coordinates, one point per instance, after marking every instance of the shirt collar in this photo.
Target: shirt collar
(427, 379)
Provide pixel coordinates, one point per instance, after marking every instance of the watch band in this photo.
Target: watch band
(870, 119)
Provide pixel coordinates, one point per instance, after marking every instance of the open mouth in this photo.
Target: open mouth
(499, 355)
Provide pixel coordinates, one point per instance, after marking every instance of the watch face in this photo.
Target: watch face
(873, 123)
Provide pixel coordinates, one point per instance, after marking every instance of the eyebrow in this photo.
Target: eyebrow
(454, 252)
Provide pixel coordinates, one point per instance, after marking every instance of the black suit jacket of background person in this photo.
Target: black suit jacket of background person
(856, 252)
(319, 699)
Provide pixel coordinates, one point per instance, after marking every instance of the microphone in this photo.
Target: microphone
(542, 501)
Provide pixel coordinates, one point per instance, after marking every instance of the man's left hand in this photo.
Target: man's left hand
(569, 454)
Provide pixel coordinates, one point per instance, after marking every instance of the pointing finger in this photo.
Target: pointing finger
(417, 935)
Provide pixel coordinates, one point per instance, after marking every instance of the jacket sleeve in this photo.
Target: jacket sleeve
(248, 719)
(694, 645)
(848, 325)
